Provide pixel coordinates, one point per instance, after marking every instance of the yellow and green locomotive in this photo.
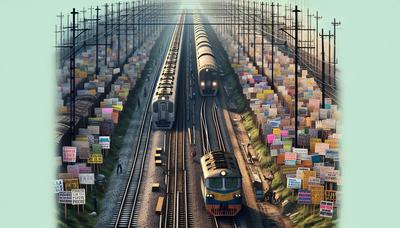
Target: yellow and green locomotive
(221, 183)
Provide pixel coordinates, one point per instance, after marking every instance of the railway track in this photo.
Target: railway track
(177, 213)
(128, 201)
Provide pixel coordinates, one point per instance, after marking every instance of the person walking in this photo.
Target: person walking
(119, 167)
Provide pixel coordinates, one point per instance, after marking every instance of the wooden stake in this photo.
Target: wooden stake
(65, 211)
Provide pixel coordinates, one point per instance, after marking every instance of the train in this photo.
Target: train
(165, 95)
(207, 71)
(221, 183)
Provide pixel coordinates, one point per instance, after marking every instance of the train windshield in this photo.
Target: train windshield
(231, 183)
(214, 183)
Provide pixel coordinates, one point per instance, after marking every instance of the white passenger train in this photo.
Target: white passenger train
(165, 95)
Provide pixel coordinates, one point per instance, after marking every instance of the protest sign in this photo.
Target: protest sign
(293, 183)
(306, 175)
(304, 196)
(71, 184)
(65, 197)
(288, 169)
(69, 154)
(86, 178)
(302, 154)
(330, 195)
(95, 159)
(104, 141)
(78, 196)
(326, 209)
(317, 193)
(290, 158)
(58, 186)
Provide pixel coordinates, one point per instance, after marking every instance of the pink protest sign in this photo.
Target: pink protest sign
(270, 138)
(69, 154)
(284, 133)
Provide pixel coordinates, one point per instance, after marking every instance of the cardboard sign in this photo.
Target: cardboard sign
(290, 158)
(288, 169)
(331, 176)
(95, 159)
(85, 169)
(65, 197)
(86, 178)
(332, 154)
(306, 175)
(304, 196)
(78, 196)
(94, 130)
(96, 149)
(313, 181)
(69, 154)
(317, 193)
(302, 154)
(71, 184)
(320, 148)
(84, 153)
(65, 176)
(330, 195)
(104, 141)
(73, 170)
(58, 186)
(293, 183)
(326, 209)
(276, 131)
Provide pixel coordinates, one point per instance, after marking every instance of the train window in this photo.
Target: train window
(231, 183)
(170, 107)
(155, 107)
(214, 183)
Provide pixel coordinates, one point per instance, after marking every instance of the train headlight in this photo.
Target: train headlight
(202, 84)
(210, 196)
(238, 195)
(223, 173)
(214, 84)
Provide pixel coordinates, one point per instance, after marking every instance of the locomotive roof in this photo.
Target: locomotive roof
(215, 162)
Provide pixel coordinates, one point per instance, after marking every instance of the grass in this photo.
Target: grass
(84, 219)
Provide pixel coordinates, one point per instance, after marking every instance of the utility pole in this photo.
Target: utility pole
(323, 69)
(119, 33)
(335, 24)
(272, 43)
(317, 18)
(248, 27)
(296, 37)
(126, 30)
(309, 34)
(262, 38)
(97, 41)
(323, 66)
(72, 79)
(329, 57)
(254, 34)
(106, 33)
(133, 26)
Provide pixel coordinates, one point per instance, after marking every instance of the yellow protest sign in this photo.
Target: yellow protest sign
(276, 131)
(305, 175)
(118, 107)
(317, 193)
(71, 184)
(95, 159)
